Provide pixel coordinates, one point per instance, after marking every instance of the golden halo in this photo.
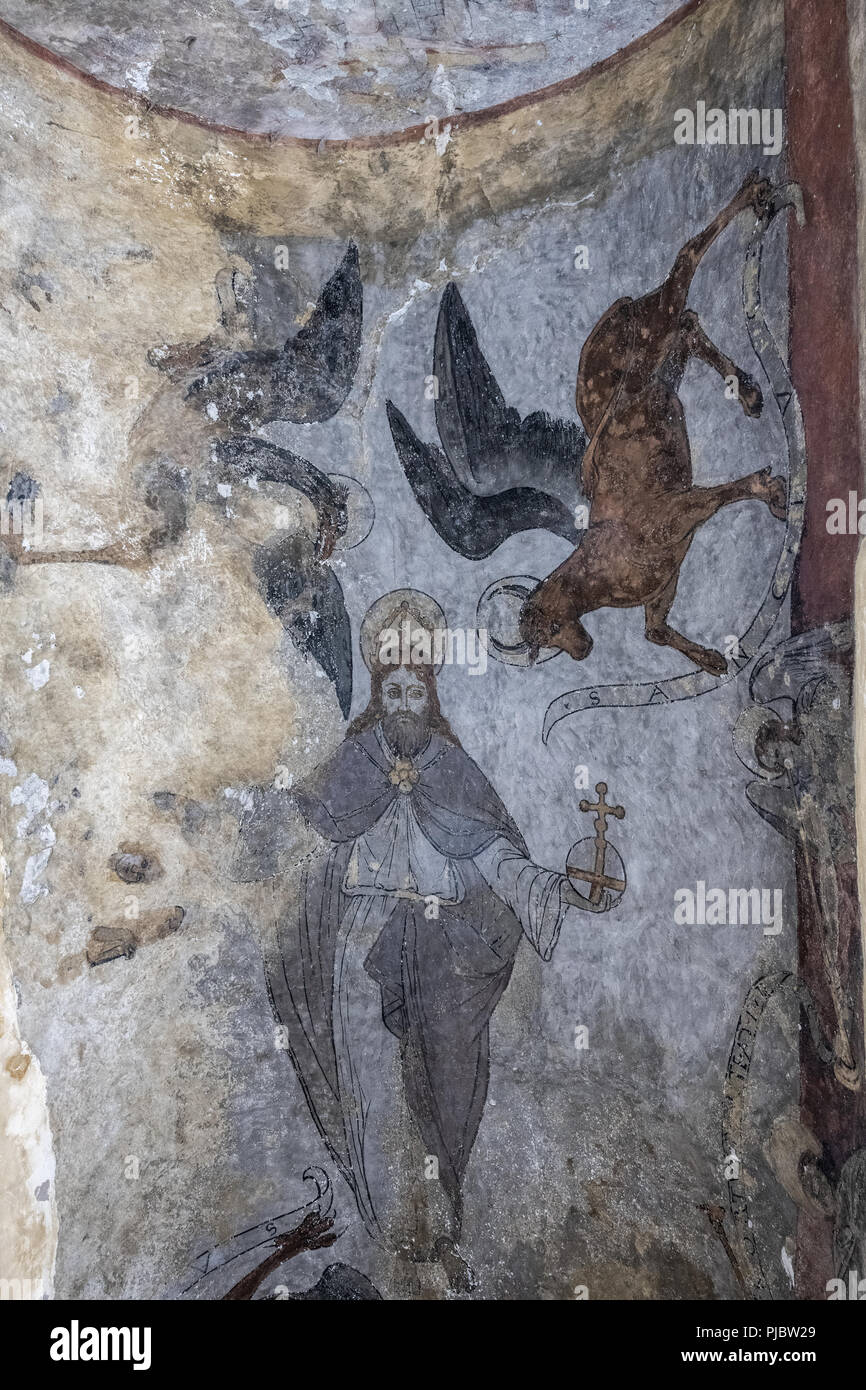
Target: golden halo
(390, 611)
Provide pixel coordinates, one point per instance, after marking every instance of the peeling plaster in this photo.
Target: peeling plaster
(28, 1208)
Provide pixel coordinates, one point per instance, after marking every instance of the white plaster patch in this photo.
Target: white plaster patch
(32, 794)
(39, 675)
(29, 1218)
(241, 794)
(443, 139)
(418, 287)
(442, 88)
(136, 76)
(31, 888)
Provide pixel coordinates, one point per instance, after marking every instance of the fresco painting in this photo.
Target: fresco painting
(431, 655)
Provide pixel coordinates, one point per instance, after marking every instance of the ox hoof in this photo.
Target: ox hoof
(711, 661)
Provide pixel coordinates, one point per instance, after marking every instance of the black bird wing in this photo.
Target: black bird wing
(327, 349)
(293, 579)
(473, 525)
(307, 597)
(495, 474)
(305, 381)
(488, 445)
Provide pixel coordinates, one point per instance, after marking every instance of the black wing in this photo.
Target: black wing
(472, 525)
(498, 474)
(488, 445)
(305, 381)
(308, 599)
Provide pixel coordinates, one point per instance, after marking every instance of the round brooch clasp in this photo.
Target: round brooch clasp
(403, 776)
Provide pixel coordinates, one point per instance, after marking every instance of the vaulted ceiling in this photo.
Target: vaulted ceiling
(332, 68)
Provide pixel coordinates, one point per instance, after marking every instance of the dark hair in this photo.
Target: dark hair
(373, 713)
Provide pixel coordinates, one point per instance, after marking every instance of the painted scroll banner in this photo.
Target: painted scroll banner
(736, 1095)
(634, 694)
(216, 1260)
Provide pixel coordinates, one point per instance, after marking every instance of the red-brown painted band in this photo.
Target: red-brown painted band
(824, 354)
(824, 296)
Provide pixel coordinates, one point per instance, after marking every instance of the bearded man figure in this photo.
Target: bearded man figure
(388, 974)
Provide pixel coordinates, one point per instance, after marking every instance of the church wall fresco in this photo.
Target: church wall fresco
(383, 917)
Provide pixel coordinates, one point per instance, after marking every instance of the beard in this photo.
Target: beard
(405, 733)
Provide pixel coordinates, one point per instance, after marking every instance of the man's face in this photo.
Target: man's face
(404, 693)
(405, 711)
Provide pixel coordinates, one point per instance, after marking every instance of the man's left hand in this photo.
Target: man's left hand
(575, 899)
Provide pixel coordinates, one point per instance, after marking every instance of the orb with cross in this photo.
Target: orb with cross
(594, 864)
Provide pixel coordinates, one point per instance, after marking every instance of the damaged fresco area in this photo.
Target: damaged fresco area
(323, 69)
(387, 769)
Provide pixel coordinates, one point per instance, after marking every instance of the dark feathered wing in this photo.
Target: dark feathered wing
(308, 599)
(293, 579)
(305, 381)
(488, 445)
(473, 525)
(495, 474)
